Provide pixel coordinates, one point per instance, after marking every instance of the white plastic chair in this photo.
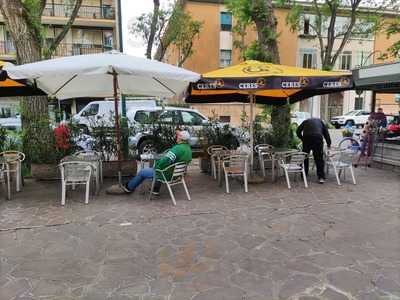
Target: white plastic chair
(294, 163)
(340, 160)
(214, 162)
(94, 158)
(264, 152)
(178, 177)
(14, 160)
(5, 179)
(236, 166)
(75, 173)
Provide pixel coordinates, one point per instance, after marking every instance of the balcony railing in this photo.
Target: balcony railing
(65, 49)
(7, 48)
(85, 11)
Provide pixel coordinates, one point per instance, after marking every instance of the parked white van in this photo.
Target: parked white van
(102, 112)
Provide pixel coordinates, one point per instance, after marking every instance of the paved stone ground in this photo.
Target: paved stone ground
(325, 242)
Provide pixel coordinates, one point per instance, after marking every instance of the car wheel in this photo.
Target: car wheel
(349, 123)
(337, 126)
(146, 146)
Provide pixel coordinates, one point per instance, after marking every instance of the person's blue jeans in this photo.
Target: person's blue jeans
(146, 173)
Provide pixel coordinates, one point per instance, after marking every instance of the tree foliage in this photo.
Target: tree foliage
(172, 27)
(334, 22)
(393, 28)
(259, 14)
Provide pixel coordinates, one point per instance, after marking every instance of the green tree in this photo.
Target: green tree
(23, 20)
(393, 28)
(334, 22)
(171, 27)
(259, 14)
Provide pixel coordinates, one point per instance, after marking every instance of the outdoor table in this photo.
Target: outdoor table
(149, 158)
(6, 162)
(93, 160)
(276, 154)
(219, 157)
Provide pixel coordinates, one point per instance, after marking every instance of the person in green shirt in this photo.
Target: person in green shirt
(181, 152)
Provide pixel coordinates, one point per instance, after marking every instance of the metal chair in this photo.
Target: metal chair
(311, 161)
(236, 166)
(264, 152)
(178, 177)
(214, 163)
(294, 163)
(14, 160)
(75, 173)
(5, 178)
(340, 160)
(95, 159)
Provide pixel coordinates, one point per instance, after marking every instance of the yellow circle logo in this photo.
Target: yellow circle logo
(219, 83)
(261, 82)
(304, 81)
(344, 81)
(268, 70)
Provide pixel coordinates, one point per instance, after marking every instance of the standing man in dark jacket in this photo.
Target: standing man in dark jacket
(312, 132)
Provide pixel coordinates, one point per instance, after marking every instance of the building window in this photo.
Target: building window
(358, 103)
(307, 23)
(345, 60)
(364, 58)
(225, 58)
(225, 119)
(226, 21)
(308, 58)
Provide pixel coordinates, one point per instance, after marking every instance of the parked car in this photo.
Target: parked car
(97, 112)
(353, 118)
(299, 116)
(186, 118)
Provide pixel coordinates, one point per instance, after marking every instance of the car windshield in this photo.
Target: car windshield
(351, 113)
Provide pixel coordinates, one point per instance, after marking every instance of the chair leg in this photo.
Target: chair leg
(273, 169)
(171, 194)
(226, 183)
(18, 177)
(8, 186)
(153, 183)
(305, 178)
(352, 174)
(186, 189)
(87, 191)
(63, 193)
(262, 165)
(337, 175)
(246, 189)
(213, 168)
(287, 179)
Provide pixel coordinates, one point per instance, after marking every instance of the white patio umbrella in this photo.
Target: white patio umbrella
(102, 75)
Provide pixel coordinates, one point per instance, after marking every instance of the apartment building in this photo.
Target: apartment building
(215, 49)
(94, 31)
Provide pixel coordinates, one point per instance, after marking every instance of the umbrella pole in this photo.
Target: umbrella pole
(253, 178)
(117, 128)
(251, 96)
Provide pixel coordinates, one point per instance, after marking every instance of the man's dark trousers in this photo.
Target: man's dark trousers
(316, 145)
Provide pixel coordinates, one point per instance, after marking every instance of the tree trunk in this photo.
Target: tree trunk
(34, 110)
(266, 24)
(153, 28)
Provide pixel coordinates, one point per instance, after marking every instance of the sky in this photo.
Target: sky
(130, 10)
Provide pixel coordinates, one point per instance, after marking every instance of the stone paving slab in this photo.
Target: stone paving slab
(325, 242)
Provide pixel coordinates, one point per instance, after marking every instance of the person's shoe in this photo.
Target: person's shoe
(321, 181)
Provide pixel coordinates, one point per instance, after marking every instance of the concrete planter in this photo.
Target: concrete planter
(128, 168)
(110, 169)
(45, 171)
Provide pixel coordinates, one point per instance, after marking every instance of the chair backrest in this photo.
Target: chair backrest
(89, 154)
(215, 148)
(179, 171)
(296, 158)
(236, 161)
(75, 171)
(263, 148)
(13, 155)
(349, 144)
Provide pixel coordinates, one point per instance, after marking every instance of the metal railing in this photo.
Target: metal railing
(7, 48)
(85, 11)
(65, 49)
